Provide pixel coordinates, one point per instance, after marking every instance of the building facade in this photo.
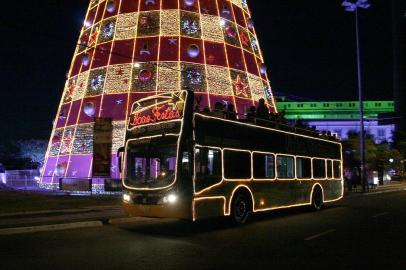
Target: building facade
(341, 117)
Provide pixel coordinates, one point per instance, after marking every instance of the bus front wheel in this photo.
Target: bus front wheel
(317, 199)
(240, 208)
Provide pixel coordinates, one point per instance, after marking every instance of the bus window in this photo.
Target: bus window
(303, 168)
(264, 166)
(329, 169)
(207, 167)
(151, 164)
(285, 167)
(337, 169)
(319, 168)
(237, 165)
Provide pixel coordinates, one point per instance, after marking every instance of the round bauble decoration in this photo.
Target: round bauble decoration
(263, 69)
(145, 76)
(85, 59)
(60, 169)
(89, 109)
(250, 23)
(189, 3)
(193, 51)
(63, 114)
(56, 139)
(111, 6)
(230, 32)
(210, 59)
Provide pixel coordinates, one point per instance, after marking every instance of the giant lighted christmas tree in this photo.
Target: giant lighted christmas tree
(129, 49)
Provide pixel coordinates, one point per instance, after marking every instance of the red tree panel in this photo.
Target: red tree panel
(215, 54)
(252, 66)
(225, 9)
(88, 118)
(129, 6)
(114, 106)
(102, 55)
(169, 49)
(235, 58)
(147, 5)
(146, 49)
(100, 12)
(122, 52)
(74, 112)
(209, 7)
(169, 4)
(185, 45)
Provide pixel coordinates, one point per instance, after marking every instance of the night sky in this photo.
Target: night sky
(309, 48)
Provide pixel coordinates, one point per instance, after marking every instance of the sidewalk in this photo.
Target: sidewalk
(392, 187)
(12, 201)
(22, 212)
(37, 218)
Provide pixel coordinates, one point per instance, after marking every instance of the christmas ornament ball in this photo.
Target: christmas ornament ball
(111, 6)
(89, 109)
(250, 23)
(189, 3)
(193, 51)
(145, 75)
(263, 69)
(230, 32)
(60, 169)
(56, 139)
(85, 59)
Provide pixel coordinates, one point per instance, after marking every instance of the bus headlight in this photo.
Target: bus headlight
(171, 198)
(126, 198)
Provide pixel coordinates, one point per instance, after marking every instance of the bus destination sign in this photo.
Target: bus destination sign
(161, 108)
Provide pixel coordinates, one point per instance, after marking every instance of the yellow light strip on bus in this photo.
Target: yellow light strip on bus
(252, 178)
(227, 212)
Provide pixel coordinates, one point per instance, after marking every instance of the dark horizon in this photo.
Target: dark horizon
(309, 49)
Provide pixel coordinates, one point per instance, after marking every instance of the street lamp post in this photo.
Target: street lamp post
(353, 7)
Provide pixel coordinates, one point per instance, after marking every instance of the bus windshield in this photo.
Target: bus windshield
(151, 163)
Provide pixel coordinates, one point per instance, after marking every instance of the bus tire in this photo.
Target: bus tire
(241, 208)
(317, 199)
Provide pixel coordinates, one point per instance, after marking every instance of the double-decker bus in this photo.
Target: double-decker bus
(184, 164)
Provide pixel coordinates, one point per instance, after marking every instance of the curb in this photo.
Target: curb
(357, 194)
(45, 212)
(127, 220)
(385, 191)
(62, 211)
(54, 227)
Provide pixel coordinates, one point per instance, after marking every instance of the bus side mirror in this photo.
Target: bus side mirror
(120, 158)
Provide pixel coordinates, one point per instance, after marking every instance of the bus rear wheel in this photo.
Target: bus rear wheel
(317, 199)
(240, 208)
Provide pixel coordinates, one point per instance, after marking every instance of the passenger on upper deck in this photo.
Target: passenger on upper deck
(262, 110)
(218, 110)
(230, 114)
(251, 114)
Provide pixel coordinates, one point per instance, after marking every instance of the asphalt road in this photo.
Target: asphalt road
(355, 233)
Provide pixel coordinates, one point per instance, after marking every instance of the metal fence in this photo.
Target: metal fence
(22, 179)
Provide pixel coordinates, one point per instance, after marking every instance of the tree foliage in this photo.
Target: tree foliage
(378, 157)
(34, 150)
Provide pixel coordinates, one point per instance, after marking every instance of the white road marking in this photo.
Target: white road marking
(319, 235)
(380, 215)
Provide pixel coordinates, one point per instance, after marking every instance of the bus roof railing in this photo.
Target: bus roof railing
(275, 124)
